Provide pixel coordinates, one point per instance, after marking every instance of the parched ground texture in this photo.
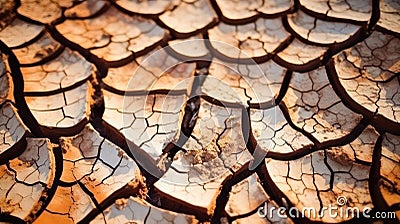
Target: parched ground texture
(198, 111)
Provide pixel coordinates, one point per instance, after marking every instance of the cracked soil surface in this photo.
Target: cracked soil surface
(198, 111)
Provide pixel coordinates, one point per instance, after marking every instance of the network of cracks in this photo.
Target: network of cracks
(198, 111)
